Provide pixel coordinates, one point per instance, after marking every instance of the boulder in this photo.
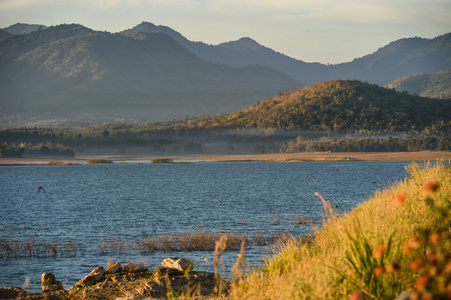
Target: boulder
(95, 276)
(114, 268)
(49, 283)
(177, 263)
(134, 268)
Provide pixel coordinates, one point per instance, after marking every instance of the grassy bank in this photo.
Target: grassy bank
(397, 241)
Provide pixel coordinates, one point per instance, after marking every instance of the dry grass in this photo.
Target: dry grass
(321, 267)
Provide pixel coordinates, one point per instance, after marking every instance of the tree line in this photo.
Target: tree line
(407, 144)
(41, 149)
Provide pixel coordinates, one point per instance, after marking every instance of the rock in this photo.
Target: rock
(13, 293)
(177, 263)
(47, 279)
(133, 268)
(49, 283)
(129, 268)
(95, 276)
(115, 268)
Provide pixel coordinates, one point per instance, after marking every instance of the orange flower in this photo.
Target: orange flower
(356, 296)
(378, 271)
(393, 268)
(380, 251)
(407, 248)
(414, 295)
(447, 269)
(416, 265)
(435, 237)
(433, 271)
(431, 186)
(422, 282)
(413, 243)
(431, 256)
(427, 296)
(398, 199)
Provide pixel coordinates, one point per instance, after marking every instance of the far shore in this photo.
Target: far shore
(281, 157)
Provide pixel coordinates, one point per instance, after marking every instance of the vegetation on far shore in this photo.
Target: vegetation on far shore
(336, 115)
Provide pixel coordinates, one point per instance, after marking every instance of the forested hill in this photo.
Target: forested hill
(343, 105)
(70, 73)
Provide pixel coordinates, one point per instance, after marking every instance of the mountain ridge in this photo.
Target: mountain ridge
(369, 68)
(71, 69)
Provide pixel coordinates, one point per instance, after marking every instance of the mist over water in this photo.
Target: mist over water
(89, 204)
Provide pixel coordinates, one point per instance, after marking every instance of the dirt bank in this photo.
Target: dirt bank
(286, 157)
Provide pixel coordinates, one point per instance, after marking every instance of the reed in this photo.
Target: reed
(114, 246)
(12, 247)
(304, 220)
(275, 219)
(202, 241)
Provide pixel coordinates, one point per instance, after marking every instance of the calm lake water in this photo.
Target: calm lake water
(88, 204)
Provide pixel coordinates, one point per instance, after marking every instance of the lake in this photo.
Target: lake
(90, 204)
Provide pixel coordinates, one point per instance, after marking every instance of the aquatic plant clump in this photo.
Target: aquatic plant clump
(99, 161)
(12, 247)
(188, 241)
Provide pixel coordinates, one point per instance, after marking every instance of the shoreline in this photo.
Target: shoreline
(276, 157)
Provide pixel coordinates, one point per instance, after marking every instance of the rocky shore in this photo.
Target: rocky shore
(131, 281)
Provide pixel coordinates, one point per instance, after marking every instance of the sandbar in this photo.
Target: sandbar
(280, 157)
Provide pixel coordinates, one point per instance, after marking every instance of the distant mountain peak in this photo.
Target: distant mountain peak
(145, 25)
(244, 43)
(67, 30)
(21, 28)
(247, 39)
(152, 28)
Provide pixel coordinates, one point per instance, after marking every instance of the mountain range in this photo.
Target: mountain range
(74, 73)
(70, 73)
(399, 58)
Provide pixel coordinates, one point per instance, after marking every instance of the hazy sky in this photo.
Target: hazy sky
(326, 31)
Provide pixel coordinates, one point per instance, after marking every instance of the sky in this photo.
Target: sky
(325, 31)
